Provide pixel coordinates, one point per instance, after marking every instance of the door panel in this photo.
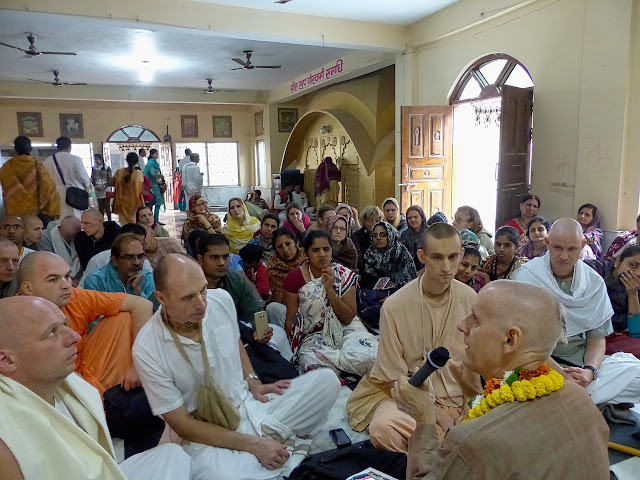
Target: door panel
(515, 151)
(166, 166)
(427, 150)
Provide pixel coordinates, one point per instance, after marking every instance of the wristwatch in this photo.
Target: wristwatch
(593, 369)
(254, 376)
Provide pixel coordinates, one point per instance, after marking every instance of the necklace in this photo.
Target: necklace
(177, 327)
(517, 385)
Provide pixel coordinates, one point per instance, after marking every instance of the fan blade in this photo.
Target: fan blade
(41, 81)
(267, 66)
(73, 83)
(11, 46)
(241, 62)
(241, 68)
(57, 53)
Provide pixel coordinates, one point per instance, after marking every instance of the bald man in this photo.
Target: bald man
(12, 228)
(96, 235)
(33, 228)
(104, 355)
(52, 424)
(588, 312)
(168, 353)
(59, 238)
(556, 436)
(9, 261)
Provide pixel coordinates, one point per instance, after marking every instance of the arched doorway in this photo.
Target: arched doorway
(132, 138)
(486, 163)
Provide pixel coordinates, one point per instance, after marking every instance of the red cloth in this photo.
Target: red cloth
(294, 281)
(177, 190)
(148, 198)
(283, 199)
(514, 224)
(260, 278)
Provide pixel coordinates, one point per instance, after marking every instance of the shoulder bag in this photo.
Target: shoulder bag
(212, 404)
(75, 197)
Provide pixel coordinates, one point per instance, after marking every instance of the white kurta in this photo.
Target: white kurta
(169, 383)
(75, 175)
(192, 179)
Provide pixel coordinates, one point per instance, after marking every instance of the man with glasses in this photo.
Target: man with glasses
(124, 273)
(12, 228)
(9, 260)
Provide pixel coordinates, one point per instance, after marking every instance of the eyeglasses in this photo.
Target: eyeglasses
(339, 229)
(11, 227)
(131, 258)
(379, 235)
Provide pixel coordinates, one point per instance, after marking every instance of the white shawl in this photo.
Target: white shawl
(587, 308)
(60, 248)
(49, 446)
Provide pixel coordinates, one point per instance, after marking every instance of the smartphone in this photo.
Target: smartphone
(260, 324)
(340, 438)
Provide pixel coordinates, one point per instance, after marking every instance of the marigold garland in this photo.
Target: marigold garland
(519, 385)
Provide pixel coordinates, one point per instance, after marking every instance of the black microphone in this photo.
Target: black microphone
(436, 359)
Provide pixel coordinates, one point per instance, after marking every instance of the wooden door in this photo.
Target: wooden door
(427, 152)
(515, 151)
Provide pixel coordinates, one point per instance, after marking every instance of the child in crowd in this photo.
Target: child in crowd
(255, 269)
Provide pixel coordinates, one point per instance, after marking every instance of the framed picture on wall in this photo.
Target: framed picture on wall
(189, 125)
(222, 126)
(30, 124)
(258, 120)
(71, 125)
(287, 119)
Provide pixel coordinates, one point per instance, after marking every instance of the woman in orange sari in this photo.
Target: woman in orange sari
(128, 197)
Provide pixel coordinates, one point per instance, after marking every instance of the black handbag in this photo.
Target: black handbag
(369, 303)
(341, 463)
(75, 197)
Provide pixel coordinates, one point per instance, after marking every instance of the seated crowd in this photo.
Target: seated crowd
(241, 338)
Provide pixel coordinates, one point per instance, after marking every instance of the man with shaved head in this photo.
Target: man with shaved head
(52, 424)
(59, 238)
(9, 261)
(104, 355)
(419, 317)
(33, 228)
(12, 228)
(194, 341)
(555, 434)
(96, 235)
(588, 312)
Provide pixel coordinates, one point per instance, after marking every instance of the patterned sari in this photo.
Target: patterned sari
(320, 340)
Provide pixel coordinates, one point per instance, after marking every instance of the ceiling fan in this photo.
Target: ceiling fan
(282, 2)
(247, 65)
(32, 51)
(210, 88)
(56, 80)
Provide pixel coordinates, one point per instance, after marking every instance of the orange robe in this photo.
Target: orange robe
(128, 196)
(105, 354)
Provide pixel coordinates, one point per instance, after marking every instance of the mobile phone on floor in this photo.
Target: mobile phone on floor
(260, 324)
(340, 438)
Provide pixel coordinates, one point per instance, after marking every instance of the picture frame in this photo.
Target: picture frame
(287, 119)
(71, 125)
(30, 124)
(222, 126)
(189, 126)
(258, 120)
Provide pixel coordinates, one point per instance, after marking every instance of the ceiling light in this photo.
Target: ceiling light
(145, 72)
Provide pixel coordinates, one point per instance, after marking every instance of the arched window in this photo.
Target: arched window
(132, 134)
(485, 78)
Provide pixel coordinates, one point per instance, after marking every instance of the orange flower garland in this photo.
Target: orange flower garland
(519, 385)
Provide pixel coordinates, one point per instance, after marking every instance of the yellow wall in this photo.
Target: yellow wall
(100, 119)
(581, 55)
(369, 99)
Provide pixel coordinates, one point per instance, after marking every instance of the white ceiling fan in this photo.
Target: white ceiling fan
(210, 88)
(32, 51)
(247, 65)
(56, 80)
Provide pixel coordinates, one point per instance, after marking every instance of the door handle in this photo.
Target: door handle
(407, 185)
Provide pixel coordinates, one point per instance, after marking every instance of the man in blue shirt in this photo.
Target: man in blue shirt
(124, 273)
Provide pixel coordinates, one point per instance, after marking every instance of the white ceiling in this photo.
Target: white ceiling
(399, 12)
(111, 53)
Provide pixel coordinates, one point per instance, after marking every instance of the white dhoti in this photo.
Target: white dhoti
(302, 408)
(618, 380)
(165, 462)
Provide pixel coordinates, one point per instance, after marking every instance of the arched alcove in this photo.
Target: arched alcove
(133, 134)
